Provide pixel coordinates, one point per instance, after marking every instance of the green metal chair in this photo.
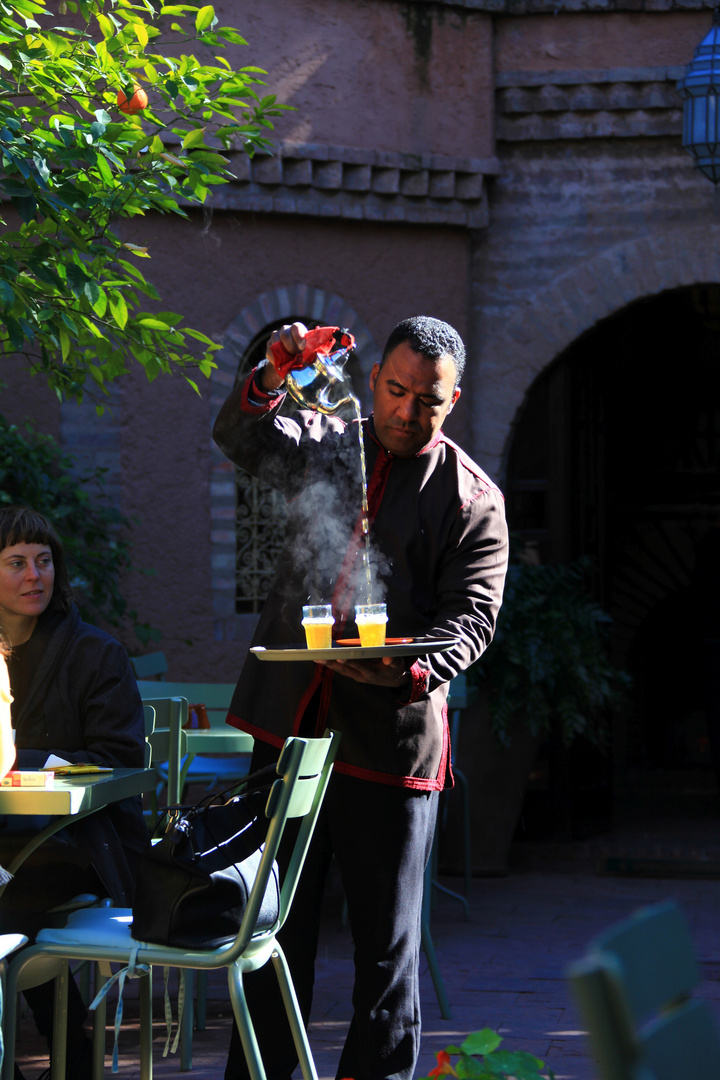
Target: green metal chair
(303, 773)
(206, 769)
(151, 665)
(176, 768)
(634, 988)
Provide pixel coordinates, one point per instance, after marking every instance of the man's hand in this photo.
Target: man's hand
(292, 337)
(387, 671)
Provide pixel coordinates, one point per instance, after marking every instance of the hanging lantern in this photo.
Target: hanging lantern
(700, 87)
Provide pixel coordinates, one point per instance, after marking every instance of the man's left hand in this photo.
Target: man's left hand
(388, 671)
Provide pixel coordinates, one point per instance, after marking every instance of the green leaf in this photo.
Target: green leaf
(481, 1042)
(204, 18)
(104, 169)
(7, 296)
(153, 324)
(106, 27)
(193, 138)
(64, 343)
(141, 33)
(92, 292)
(118, 309)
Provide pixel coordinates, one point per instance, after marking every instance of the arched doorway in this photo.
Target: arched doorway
(615, 455)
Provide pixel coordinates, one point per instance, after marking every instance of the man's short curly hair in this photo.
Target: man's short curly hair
(432, 338)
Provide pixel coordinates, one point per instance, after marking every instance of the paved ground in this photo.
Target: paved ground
(503, 967)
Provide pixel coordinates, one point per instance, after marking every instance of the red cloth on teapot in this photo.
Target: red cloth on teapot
(318, 342)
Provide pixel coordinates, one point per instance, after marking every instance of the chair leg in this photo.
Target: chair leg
(99, 1022)
(9, 1025)
(201, 981)
(245, 1025)
(146, 1026)
(186, 978)
(292, 1008)
(59, 1047)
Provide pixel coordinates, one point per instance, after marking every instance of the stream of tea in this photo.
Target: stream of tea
(365, 522)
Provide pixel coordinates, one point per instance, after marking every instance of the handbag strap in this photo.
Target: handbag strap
(260, 780)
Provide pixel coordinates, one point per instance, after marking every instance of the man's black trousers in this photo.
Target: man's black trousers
(381, 837)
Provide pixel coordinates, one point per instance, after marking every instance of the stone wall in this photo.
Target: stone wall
(596, 204)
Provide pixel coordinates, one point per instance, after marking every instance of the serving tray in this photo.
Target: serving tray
(419, 647)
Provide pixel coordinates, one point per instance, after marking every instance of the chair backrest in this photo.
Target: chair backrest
(633, 990)
(149, 665)
(656, 956)
(149, 712)
(168, 738)
(216, 697)
(303, 769)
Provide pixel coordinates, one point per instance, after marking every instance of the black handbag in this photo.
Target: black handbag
(193, 884)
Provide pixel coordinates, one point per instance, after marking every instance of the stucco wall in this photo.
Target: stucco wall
(396, 76)
(596, 204)
(591, 41)
(631, 222)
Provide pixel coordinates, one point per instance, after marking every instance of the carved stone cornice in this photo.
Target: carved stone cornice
(318, 180)
(616, 103)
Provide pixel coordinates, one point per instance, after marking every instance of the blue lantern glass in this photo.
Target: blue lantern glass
(700, 87)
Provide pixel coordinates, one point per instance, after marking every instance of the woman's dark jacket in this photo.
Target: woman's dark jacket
(82, 704)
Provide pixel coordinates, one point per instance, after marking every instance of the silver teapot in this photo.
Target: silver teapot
(323, 385)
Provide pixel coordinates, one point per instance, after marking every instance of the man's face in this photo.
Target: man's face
(411, 398)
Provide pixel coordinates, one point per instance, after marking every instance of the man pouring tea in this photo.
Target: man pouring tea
(437, 559)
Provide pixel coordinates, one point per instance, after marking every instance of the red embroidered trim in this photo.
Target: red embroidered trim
(256, 732)
(267, 401)
(419, 682)
(415, 783)
(447, 748)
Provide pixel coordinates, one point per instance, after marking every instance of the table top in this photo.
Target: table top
(217, 739)
(71, 795)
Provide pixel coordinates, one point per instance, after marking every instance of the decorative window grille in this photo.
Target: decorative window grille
(249, 517)
(260, 512)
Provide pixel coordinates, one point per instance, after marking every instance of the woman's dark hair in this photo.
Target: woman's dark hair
(21, 525)
(4, 644)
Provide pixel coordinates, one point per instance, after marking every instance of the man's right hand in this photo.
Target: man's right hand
(292, 337)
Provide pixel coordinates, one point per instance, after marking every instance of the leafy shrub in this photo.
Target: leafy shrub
(549, 659)
(35, 471)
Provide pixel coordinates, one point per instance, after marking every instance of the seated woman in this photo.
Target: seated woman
(75, 699)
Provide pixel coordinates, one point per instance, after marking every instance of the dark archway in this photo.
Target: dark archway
(615, 455)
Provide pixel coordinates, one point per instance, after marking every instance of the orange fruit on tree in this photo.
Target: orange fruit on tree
(134, 104)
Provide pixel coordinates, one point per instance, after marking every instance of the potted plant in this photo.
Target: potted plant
(479, 1058)
(546, 677)
(548, 662)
